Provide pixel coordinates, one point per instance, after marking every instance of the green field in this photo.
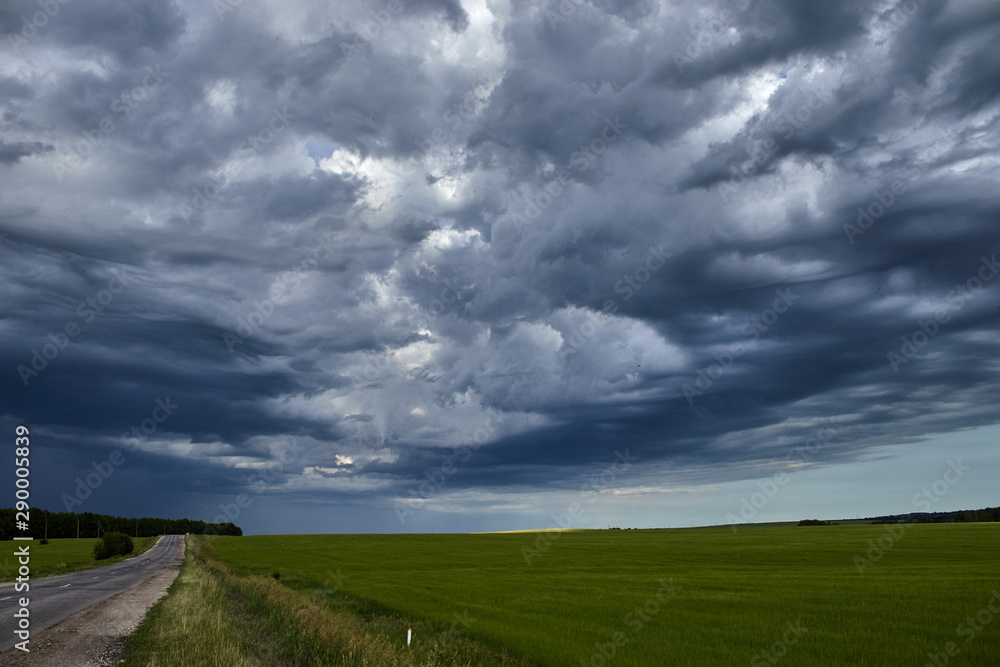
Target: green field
(62, 556)
(795, 591)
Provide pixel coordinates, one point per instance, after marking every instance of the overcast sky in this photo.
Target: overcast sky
(442, 265)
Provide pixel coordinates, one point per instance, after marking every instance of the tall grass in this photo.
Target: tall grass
(213, 617)
(192, 625)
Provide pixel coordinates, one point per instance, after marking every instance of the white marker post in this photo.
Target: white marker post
(409, 635)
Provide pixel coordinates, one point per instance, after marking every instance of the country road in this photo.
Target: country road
(53, 599)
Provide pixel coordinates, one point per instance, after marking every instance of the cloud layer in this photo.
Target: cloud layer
(441, 257)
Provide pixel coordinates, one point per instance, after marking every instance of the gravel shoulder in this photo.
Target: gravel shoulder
(95, 636)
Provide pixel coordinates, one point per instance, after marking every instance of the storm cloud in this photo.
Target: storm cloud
(430, 265)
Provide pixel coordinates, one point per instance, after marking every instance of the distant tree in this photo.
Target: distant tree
(113, 544)
(66, 524)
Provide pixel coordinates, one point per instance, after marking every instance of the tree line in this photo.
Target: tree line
(985, 514)
(960, 516)
(67, 524)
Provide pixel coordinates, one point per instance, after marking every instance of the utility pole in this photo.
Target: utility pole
(78, 528)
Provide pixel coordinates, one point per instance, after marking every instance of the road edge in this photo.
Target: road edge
(53, 577)
(95, 636)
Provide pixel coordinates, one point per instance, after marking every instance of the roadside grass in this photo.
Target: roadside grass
(213, 617)
(191, 625)
(738, 591)
(61, 556)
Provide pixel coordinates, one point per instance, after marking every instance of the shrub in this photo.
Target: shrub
(113, 544)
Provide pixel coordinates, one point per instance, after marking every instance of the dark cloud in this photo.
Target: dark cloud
(127, 31)
(450, 10)
(11, 153)
(354, 249)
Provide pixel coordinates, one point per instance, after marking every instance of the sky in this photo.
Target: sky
(478, 265)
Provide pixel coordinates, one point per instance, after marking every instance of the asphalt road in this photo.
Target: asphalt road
(55, 598)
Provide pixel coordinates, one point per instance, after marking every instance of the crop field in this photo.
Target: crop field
(760, 595)
(60, 556)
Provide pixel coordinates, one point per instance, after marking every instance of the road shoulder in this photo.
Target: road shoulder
(94, 637)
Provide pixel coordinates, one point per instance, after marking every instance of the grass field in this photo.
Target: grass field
(709, 596)
(212, 617)
(62, 556)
